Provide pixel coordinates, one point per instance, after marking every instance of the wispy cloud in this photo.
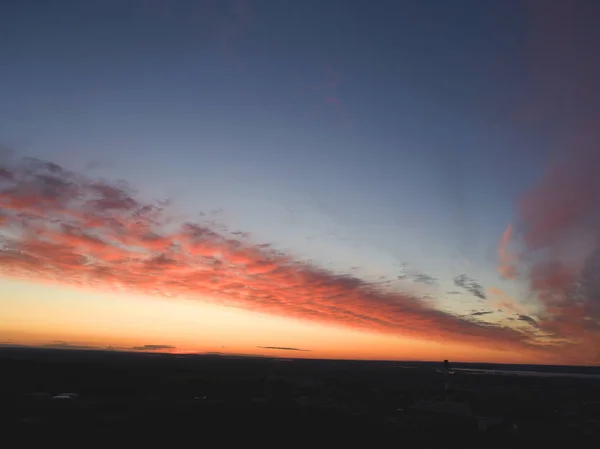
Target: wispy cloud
(506, 259)
(281, 348)
(13, 345)
(153, 348)
(66, 345)
(470, 285)
(408, 274)
(505, 302)
(68, 228)
(528, 320)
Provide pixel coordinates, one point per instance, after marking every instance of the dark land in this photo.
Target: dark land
(206, 400)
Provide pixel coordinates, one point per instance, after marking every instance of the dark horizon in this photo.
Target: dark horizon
(455, 363)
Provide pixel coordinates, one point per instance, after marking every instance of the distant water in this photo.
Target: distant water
(501, 372)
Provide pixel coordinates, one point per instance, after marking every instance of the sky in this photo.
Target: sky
(398, 180)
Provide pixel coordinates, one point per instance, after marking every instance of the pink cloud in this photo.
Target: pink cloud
(127, 243)
(557, 227)
(559, 219)
(506, 259)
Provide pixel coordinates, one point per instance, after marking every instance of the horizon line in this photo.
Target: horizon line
(261, 356)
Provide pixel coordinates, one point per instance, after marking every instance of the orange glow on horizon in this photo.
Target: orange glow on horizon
(47, 314)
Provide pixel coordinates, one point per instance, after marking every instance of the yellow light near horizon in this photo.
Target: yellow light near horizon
(38, 314)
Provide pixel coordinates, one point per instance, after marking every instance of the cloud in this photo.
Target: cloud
(279, 348)
(416, 276)
(54, 345)
(506, 259)
(505, 302)
(484, 312)
(425, 279)
(68, 228)
(559, 238)
(528, 320)
(557, 225)
(153, 348)
(66, 345)
(470, 285)
(230, 355)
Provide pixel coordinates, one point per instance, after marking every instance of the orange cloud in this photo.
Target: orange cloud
(505, 302)
(69, 228)
(495, 291)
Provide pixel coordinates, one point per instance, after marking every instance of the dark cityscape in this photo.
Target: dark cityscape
(102, 394)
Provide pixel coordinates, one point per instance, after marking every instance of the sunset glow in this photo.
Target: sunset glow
(220, 193)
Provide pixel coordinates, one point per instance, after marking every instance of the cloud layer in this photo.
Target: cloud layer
(63, 226)
(559, 250)
(553, 246)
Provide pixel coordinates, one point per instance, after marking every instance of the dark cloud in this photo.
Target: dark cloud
(425, 279)
(470, 285)
(230, 355)
(153, 347)
(454, 292)
(66, 345)
(280, 348)
(529, 320)
(484, 312)
(416, 276)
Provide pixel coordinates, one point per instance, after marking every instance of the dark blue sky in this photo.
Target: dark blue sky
(348, 132)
